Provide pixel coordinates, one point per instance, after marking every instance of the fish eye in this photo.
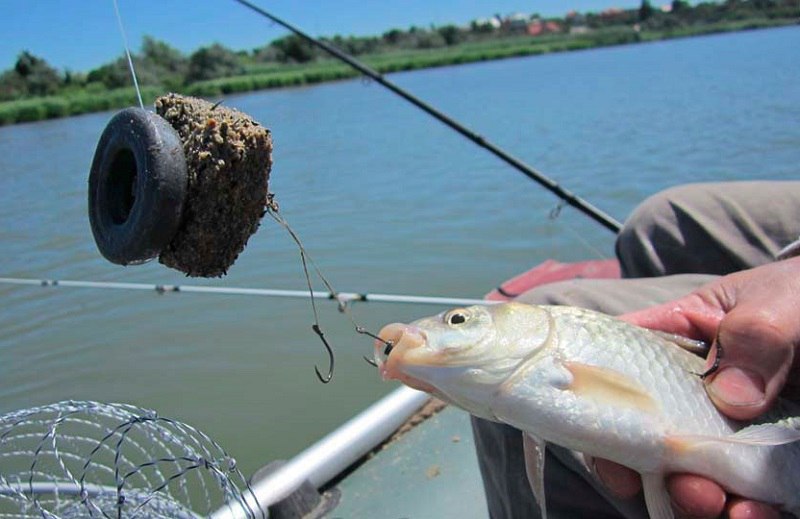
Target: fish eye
(456, 317)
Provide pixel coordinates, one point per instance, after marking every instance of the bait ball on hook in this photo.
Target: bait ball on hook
(188, 184)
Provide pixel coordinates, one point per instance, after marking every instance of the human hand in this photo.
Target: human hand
(753, 315)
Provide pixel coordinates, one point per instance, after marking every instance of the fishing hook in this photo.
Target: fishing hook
(386, 351)
(327, 378)
(717, 359)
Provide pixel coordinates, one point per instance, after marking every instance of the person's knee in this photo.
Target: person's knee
(652, 222)
(603, 295)
(558, 293)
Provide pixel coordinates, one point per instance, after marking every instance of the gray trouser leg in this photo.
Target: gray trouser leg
(710, 229)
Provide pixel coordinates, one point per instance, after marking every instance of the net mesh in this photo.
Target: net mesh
(89, 459)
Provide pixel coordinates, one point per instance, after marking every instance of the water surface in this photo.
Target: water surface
(386, 200)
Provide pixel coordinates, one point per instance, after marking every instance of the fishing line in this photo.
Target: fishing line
(128, 54)
(272, 211)
(554, 216)
(551, 185)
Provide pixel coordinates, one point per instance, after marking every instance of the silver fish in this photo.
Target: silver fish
(597, 385)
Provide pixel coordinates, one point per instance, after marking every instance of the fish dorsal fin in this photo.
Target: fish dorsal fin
(697, 347)
(608, 386)
(656, 497)
(534, 466)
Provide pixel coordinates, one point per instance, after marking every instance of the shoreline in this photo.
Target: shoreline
(54, 107)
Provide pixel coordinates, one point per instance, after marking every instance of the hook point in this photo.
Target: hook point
(321, 378)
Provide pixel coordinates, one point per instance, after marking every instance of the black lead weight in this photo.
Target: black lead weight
(188, 184)
(137, 187)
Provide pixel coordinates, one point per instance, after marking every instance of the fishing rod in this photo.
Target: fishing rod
(343, 298)
(551, 185)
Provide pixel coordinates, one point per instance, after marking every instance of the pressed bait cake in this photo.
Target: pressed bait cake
(228, 160)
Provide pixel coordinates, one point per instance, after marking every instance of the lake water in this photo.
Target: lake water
(386, 200)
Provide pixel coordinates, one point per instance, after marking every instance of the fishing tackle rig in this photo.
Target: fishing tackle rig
(272, 210)
(189, 184)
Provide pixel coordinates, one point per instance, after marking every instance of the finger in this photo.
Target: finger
(744, 509)
(694, 496)
(621, 481)
(756, 358)
(693, 316)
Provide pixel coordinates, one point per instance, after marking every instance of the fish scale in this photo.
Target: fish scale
(594, 384)
(662, 367)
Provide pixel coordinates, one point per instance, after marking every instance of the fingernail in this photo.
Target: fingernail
(737, 387)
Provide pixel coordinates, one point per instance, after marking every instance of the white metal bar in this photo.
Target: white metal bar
(335, 452)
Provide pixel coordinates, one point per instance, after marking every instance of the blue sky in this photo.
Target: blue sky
(82, 34)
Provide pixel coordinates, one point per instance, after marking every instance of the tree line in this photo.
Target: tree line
(160, 65)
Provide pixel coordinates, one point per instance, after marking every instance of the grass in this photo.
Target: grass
(40, 108)
(294, 76)
(261, 77)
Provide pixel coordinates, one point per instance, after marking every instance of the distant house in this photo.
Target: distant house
(516, 22)
(611, 13)
(576, 22)
(539, 27)
(492, 23)
(575, 18)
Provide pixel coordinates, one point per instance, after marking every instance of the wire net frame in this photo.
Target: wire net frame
(88, 459)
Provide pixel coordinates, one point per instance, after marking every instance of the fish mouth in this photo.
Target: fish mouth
(395, 343)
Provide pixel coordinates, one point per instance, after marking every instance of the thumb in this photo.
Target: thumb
(755, 355)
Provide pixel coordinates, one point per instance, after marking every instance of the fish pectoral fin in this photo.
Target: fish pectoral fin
(695, 346)
(656, 497)
(534, 466)
(609, 387)
(767, 434)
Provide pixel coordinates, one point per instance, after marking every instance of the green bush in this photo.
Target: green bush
(30, 110)
(264, 81)
(55, 107)
(237, 84)
(204, 89)
(81, 104)
(8, 113)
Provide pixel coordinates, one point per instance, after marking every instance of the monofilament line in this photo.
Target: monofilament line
(306, 260)
(128, 54)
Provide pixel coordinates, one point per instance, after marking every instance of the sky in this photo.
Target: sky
(82, 34)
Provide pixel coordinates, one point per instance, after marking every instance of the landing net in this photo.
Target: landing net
(88, 459)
